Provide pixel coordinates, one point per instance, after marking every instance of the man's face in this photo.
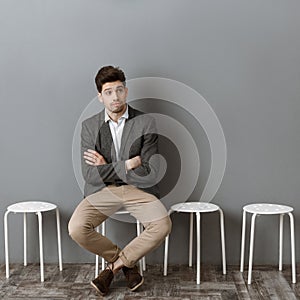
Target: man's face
(113, 96)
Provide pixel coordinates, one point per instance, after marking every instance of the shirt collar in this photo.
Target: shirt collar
(125, 115)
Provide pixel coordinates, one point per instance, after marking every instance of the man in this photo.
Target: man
(119, 166)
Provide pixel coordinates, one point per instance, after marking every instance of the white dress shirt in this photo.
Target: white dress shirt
(116, 129)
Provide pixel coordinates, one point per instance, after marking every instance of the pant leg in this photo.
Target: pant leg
(89, 214)
(153, 215)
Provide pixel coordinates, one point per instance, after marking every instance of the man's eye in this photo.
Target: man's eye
(108, 93)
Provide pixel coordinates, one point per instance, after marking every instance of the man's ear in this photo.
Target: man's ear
(100, 97)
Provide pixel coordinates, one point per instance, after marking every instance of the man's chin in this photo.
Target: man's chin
(118, 109)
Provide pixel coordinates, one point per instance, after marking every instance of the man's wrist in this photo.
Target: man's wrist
(127, 165)
(132, 163)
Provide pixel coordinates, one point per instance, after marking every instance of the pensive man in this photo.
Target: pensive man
(120, 166)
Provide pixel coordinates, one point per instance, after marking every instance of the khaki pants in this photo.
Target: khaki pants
(96, 208)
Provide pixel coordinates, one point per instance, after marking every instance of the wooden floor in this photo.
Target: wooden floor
(73, 283)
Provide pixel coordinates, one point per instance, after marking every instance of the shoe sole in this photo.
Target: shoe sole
(97, 289)
(138, 285)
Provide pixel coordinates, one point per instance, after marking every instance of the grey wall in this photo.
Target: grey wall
(242, 56)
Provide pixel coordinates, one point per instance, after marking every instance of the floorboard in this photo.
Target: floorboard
(180, 284)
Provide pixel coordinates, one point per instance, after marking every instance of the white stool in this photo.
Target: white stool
(267, 209)
(37, 208)
(139, 229)
(197, 208)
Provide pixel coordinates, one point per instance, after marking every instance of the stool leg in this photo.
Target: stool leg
(58, 239)
(191, 240)
(6, 243)
(280, 240)
(167, 249)
(198, 247)
(41, 244)
(243, 242)
(97, 266)
(103, 233)
(251, 247)
(292, 225)
(138, 232)
(144, 263)
(25, 239)
(223, 240)
(166, 255)
(143, 258)
(97, 260)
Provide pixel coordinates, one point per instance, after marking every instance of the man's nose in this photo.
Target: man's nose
(114, 95)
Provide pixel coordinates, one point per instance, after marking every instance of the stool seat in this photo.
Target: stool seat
(267, 209)
(37, 207)
(201, 207)
(31, 207)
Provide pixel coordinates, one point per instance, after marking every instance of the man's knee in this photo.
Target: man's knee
(78, 231)
(166, 226)
(161, 228)
(73, 229)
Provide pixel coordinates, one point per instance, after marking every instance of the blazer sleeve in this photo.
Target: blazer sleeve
(147, 172)
(96, 175)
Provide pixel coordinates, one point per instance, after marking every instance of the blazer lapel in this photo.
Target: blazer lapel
(127, 129)
(125, 135)
(105, 142)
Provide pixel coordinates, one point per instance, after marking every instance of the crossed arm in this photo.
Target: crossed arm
(95, 169)
(93, 158)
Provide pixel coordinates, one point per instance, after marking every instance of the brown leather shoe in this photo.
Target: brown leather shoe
(134, 278)
(103, 281)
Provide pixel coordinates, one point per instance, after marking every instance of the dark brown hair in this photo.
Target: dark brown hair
(109, 74)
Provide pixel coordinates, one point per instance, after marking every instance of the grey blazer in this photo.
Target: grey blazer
(139, 138)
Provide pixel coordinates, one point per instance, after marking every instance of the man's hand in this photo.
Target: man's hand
(133, 163)
(93, 158)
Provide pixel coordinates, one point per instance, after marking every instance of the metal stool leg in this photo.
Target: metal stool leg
(292, 225)
(41, 245)
(143, 258)
(103, 232)
(58, 239)
(243, 242)
(6, 244)
(138, 232)
(167, 249)
(166, 255)
(251, 248)
(97, 256)
(280, 240)
(198, 247)
(25, 239)
(223, 240)
(191, 240)
(97, 260)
